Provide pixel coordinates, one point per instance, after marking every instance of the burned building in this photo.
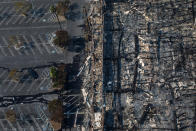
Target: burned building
(148, 66)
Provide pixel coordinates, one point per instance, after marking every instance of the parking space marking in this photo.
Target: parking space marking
(3, 13)
(27, 42)
(52, 18)
(35, 43)
(22, 20)
(41, 44)
(44, 43)
(3, 73)
(22, 51)
(10, 12)
(8, 86)
(46, 13)
(47, 86)
(52, 45)
(45, 74)
(29, 19)
(7, 43)
(21, 88)
(32, 85)
(10, 16)
(37, 17)
(4, 83)
(3, 52)
(39, 85)
(17, 19)
(15, 52)
(13, 17)
(14, 87)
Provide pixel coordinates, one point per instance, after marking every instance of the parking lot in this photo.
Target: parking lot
(24, 82)
(38, 14)
(34, 33)
(32, 45)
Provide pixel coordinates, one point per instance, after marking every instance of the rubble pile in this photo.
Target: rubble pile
(149, 65)
(92, 79)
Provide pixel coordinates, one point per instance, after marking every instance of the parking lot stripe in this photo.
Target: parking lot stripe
(45, 73)
(4, 10)
(8, 86)
(13, 17)
(37, 46)
(14, 87)
(3, 73)
(32, 86)
(21, 88)
(4, 83)
(6, 42)
(22, 20)
(15, 52)
(3, 52)
(4, 19)
(52, 45)
(45, 13)
(22, 50)
(52, 18)
(37, 17)
(10, 12)
(29, 20)
(40, 84)
(28, 44)
(44, 43)
(26, 50)
(17, 19)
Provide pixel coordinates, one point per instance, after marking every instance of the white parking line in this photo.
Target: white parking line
(3, 52)
(13, 17)
(32, 85)
(40, 84)
(6, 42)
(52, 18)
(18, 18)
(53, 46)
(45, 14)
(59, 51)
(4, 83)
(15, 87)
(22, 20)
(28, 44)
(3, 13)
(29, 19)
(35, 43)
(45, 73)
(10, 12)
(46, 87)
(44, 44)
(20, 37)
(21, 88)
(8, 86)
(3, 73)
(36, 18)
(26, 51)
